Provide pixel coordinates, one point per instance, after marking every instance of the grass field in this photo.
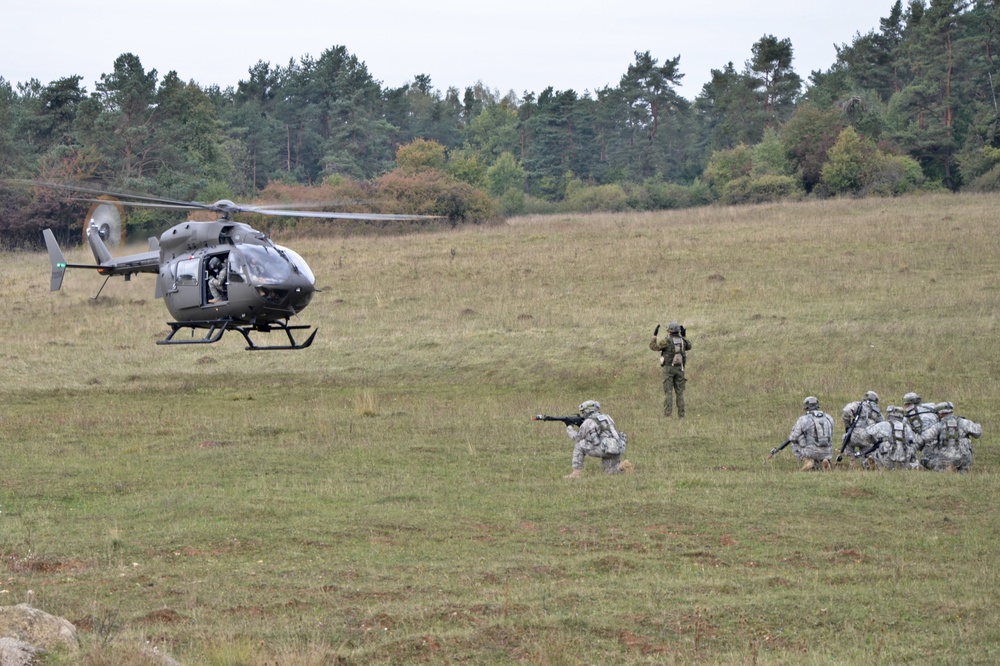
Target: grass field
(385, 498)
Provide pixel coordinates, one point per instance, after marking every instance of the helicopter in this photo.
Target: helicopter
(213, 277)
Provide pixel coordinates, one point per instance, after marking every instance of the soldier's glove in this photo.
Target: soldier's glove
(684, 332)
(656, 331)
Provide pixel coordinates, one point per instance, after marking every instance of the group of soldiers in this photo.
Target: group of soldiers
(918, 435)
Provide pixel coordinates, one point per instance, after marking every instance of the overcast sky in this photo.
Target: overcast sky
(519, 45)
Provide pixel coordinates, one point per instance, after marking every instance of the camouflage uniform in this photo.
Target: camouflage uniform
(673, 358)
(893, 443)
(919, 415)
(867, 413)
(812, 436)
(946, 445)
(598, 438)
(217, 280)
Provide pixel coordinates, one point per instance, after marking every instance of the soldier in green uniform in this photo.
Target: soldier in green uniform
(673, 358)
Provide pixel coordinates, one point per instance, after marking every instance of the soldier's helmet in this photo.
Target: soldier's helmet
(674, 327)
(590, 407)
(911, 398)
(214, 263)
(894, 412)
(810, 403)
(944, 408)
(873, 396)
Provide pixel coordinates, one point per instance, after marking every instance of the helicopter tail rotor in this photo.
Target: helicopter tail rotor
(106, 215)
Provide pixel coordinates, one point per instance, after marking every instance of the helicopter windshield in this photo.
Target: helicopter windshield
(299, 263)
(265, 266)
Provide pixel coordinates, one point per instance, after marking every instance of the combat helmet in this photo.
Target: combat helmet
(589, 407)
(674, 327)
(872, 396)
(911, 398)
(810, 403)
(894, 412)
(944, 408)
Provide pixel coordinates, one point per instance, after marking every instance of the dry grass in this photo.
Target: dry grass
(383, 497)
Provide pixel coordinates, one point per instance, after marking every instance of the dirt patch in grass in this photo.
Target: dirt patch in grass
(43, 565)
(162, 616)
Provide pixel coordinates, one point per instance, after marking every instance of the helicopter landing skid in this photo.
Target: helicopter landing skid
(216, 328)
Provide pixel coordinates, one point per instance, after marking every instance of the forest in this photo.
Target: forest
(909, 106)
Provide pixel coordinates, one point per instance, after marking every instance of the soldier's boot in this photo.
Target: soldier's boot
(950, 468)
(826, 465)
(808, 465)
(870, 463)
(626, 467)
(575, 474)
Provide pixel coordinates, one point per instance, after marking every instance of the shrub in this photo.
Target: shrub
(419, 155)
(894, 175)
(987, 182)
(432, 192)
(609, 198)
(850, 164)
(728, 165)
(662, 195)
(760, 189)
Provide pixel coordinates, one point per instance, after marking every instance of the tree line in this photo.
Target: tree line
(910, 105)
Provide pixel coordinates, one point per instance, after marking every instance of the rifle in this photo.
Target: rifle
(847, 435)
(574, 420)
(779, 448)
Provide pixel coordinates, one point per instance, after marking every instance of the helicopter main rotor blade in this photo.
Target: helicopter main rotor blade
(337, 216)
(129, 198)
(223, 207)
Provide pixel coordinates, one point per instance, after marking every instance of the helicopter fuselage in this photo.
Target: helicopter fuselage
(227, 270)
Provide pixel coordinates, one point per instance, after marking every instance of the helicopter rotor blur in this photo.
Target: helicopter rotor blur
(214, 276)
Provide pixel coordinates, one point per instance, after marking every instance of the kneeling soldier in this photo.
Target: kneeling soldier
(598, 438)
(893, 443)
(812, 436)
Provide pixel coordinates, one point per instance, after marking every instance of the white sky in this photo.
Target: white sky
(519, 45)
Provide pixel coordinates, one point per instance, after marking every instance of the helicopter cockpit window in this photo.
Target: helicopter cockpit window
(187, 272)
(264, 266)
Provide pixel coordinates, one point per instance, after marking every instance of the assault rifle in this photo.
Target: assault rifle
(779, 448)
(573, 420)
(850, 431)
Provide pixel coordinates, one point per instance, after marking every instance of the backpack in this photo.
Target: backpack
(612, 441)
(822, 430)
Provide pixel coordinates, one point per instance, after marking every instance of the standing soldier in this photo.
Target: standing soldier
(812, 436)
(919, 415)
(893, 444)
(858, 416)
(673, 358)
(946, 445)
(598, 438)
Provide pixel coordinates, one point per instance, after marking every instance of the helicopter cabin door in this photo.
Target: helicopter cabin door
(216, 279)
